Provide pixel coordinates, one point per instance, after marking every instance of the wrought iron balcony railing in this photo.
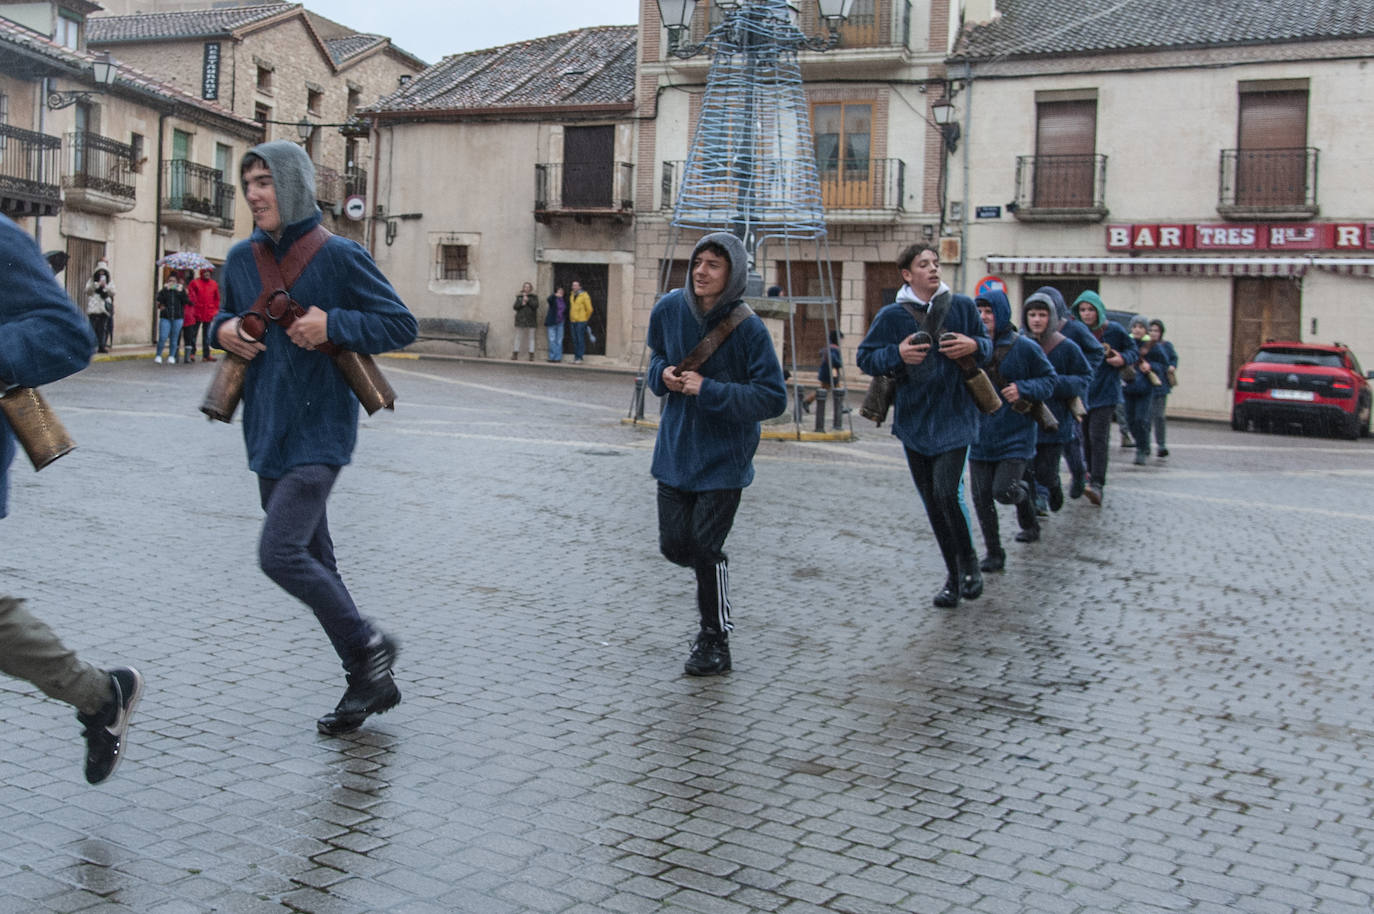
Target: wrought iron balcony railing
(328, 185)
(583, 189)
(29, 172)
(1061, 186)
(226, 206)
(875, 184)
(1269, 180)
(96, 162)
(355, 182)
(192, 188)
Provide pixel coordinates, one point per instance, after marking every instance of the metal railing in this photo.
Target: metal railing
(1065, 182)
(328, 185)
(355, 182)
(227, 193)
(29, 166)
(880, 184)
(563, 187)
(1269, 178)
(98, 163)
(192, 188)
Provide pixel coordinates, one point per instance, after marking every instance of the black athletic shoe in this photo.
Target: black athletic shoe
(1056, 498)
(105, 728)
(993, 561)
(377, 658)
(1030, 535)
(362, 699)
(948, 596)
(710, 654)
(971, 585)
(1077, 486)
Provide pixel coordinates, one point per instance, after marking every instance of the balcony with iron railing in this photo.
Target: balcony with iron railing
(328, 186)
(872, 192)
(29, 172)
(193, 195)
(1060, 188)
(227, 193)
(1268, 183)
(583, 192)
(355, 182)
(871, 24)
(99, 174)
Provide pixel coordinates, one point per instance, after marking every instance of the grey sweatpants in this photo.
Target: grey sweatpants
(30, 651)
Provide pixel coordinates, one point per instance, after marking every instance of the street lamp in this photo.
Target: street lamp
(943, 113)
(304, 129)
(103, 72)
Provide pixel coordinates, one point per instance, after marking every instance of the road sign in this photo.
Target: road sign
(355, 208)
(988, 283)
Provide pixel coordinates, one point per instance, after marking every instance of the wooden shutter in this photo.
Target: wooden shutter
(1065, 151)
(588, 154)
(1271, 161)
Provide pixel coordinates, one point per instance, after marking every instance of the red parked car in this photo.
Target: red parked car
(1313, 385)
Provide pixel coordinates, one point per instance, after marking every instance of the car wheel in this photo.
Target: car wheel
(1237, 423)
(1364, 428)
(1350, 427)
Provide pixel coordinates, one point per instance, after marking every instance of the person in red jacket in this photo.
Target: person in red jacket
(204, 293)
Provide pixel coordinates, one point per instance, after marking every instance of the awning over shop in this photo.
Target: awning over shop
(1292, 267)
(1167, 266)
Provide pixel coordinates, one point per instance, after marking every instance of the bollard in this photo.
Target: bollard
(639, 398)
(820, 409)
(837, 397)
(799, 406)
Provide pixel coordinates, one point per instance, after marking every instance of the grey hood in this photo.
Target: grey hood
(739, 270)
(293, 176)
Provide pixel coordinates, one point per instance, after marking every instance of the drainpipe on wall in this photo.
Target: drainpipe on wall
(44, 87)
(967, 77)
(157, 215)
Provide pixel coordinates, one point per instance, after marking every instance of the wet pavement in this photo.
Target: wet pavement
(1163, 705)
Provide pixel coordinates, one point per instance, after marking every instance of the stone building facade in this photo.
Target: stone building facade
(89, 169)
(282, 66)
(1198, 165)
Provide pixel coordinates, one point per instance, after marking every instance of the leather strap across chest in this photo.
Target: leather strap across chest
(274, 302)
(711, 342)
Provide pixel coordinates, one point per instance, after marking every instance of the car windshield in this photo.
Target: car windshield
(1299, 357)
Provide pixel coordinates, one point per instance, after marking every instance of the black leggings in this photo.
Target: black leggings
(937, 481)
(1000, 481)
(692, 527)
(1097, 428)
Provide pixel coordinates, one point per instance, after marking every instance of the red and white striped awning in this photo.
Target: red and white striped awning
(1346, 266)
(1294, 267)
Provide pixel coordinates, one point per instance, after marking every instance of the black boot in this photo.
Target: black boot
(970, 579)
(948, 597)
(363, 698)
(994, 561)
(710, 654)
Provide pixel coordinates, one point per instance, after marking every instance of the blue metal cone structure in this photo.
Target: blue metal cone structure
(752, 164)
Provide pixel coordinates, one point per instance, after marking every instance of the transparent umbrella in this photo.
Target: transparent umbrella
(185, 260)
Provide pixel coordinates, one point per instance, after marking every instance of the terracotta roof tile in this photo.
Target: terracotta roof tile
(182, 24)
(1044, 27)
(592, 66)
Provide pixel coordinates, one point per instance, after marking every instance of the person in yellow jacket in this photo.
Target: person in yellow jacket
(579, 313)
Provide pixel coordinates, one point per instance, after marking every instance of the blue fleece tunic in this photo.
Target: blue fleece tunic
(1105, 389)
(43, 338)
(707, 442)
(1006, 434)
(933, 411)
(297, 408)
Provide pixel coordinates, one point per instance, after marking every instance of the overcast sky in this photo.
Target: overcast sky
(432, 29)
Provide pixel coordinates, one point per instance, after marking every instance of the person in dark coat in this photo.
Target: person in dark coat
(1105, 390)
(933, 415)
(555, 320)
(1078, 334)
(526, 310)
(1006, 439)
(1040, 323)
(43, 338)
(300, 416)
(1138, 393)
(709, 430)
(1169, 356)
(828, 374)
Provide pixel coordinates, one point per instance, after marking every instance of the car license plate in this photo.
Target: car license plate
(1292, 394)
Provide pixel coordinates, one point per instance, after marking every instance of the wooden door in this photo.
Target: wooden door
(1271, 163)
(811, 322)
(1065, 153)
(588, 157)
(1262, 309)
(882, 281)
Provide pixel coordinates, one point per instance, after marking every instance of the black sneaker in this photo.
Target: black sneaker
(710, 654)
(1056, 498)
(362, 699)
(105, 728)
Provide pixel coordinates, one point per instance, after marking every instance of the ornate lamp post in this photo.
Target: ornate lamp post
(103, 71)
